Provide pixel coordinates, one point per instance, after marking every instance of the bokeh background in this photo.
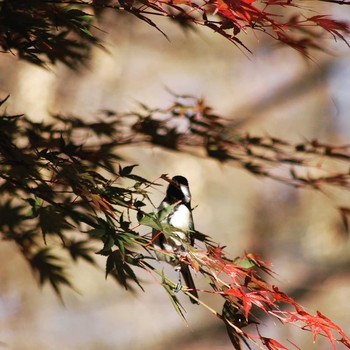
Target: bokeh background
(278, 93)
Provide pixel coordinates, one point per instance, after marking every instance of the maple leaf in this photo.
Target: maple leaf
(317, 324)
(241, 11)
(283, 297)
(260, 299)
(102, 204)
(272, 344)
(331, 25)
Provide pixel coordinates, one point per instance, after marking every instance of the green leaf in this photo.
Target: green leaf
(79, 249)
(124, 224)
(117, 267)
(110, 265)
(163, 214)
(48, 269)
(126, 170)
(169, 288)
(139, 216)
(51, 221)
(151, 220)
(97, 232)
(245, 263)
(10, 215)
(36, 204)
(121, 246)
(139, 204)
(138, 179)
(132, 275)
(108, 244)
(76, 13)
(86, 31)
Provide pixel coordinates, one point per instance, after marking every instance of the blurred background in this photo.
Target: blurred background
(279, 93)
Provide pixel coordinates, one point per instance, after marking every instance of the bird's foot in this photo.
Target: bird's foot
(139, 256)
(178, 286)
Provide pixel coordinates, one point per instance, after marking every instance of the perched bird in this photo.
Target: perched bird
(175, 210)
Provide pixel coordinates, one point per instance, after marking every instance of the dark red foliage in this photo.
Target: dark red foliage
(240, 284)
(230, 17)
(272, 344)
(59, 32)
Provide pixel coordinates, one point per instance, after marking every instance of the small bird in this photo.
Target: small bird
(175, 210)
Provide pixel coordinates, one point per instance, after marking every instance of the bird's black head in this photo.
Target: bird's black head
(178, 190)
(180, 180)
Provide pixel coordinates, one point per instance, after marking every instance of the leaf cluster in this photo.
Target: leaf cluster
(53, 187)
(244, 290)
(50, 31)
(43, 32)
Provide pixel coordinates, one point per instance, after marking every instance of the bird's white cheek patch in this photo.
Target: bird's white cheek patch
(186, 192)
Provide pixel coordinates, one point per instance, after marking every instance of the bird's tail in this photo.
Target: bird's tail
(186, 274)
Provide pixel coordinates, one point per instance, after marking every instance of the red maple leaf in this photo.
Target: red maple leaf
(331, 25)
(272, 344)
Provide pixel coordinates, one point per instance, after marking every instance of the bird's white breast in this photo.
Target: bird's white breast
(182, 219)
